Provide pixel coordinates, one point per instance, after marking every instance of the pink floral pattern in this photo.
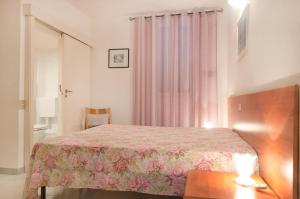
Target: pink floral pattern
(152, 160)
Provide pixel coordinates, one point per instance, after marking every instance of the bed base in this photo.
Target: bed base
(43, 192)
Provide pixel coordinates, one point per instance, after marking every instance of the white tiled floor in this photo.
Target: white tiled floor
(11, 187)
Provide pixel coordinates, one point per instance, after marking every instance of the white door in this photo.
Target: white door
(75, 85)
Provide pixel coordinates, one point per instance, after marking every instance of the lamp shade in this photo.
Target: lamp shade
(245, 165)
(237, 3)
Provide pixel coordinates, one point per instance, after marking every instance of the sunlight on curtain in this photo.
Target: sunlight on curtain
(175, 70)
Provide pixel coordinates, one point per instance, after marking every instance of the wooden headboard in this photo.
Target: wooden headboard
(269, 122)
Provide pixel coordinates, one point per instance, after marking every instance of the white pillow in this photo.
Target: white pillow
(97, 119)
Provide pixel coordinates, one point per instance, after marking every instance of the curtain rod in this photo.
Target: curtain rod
(174, 14)
(61, 32)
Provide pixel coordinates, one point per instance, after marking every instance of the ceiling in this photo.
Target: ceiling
(94, 8)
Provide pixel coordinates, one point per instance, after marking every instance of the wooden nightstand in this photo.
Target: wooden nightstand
(220, 185)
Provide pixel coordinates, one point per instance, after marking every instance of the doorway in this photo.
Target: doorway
(47, 47)
(57, 83)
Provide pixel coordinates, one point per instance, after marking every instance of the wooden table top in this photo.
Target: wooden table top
(221, 185)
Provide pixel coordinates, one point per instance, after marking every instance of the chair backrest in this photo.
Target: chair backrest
(93, 111)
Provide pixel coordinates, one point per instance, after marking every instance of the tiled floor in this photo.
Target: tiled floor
(11, 187)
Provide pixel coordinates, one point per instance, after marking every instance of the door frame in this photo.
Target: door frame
(28, 89)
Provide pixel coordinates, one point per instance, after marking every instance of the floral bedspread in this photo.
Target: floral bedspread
(152, 160)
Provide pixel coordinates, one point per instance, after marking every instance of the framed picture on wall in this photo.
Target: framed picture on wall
(118, 58)
(243, 33)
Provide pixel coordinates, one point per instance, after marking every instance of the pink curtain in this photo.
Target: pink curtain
(175, 70)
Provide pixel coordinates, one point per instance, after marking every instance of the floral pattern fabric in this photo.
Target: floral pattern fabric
(153, 160)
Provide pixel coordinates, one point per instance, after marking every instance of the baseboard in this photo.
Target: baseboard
(10, 171)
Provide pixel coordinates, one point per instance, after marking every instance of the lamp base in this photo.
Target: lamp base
(245, 181)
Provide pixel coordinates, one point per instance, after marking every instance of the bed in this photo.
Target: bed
(153, 160)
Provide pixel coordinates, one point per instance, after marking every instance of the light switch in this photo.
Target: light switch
(22, 104)
(240, 107)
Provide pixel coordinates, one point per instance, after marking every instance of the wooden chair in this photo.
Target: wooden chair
(93, 111)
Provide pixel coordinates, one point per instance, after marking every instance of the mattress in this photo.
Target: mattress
(153, 160)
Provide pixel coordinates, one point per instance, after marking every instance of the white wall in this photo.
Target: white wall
(9, 84)
(274, 44)
(112, 29)
(12, 68)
